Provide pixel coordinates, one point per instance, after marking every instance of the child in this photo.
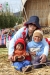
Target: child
(19, 55)
(36, 48)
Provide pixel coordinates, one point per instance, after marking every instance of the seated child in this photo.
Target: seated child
(36, 48)
(19, 56)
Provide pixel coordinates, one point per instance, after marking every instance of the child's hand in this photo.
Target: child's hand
(14, 58)
(33, 53)
(21, 58)
(10, 57)
(43, 58)
(27, 54)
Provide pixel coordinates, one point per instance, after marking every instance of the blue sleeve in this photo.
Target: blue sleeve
(39, 53)
(46, 47)
(12, 41)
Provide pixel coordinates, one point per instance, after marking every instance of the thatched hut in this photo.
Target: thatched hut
(41, 8)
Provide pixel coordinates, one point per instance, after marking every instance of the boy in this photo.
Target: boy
(19, 56)
(36, 48)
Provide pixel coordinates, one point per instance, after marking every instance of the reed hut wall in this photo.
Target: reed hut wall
(40, 8)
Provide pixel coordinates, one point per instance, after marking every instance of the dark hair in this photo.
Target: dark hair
(33, 25)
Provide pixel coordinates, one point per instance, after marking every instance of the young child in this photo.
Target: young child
(36, 48)
(19, 56)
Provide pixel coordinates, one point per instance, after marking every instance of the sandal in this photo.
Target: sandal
(27, 68)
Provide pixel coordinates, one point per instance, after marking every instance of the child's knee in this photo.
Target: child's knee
(27, 62)
(17, 66)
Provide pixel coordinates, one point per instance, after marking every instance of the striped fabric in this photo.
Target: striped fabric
(0, 39)
(4, 37)
(3, 40)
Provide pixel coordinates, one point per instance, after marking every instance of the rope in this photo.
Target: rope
(24, 11)
(19, 15)
(21, 12)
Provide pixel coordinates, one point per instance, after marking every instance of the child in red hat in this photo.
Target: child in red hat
(19, 56)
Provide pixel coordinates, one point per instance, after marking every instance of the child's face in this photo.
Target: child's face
(19, 47)
(37, 39)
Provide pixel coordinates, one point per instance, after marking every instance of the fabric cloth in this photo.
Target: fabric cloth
(36, 46)
(20, 65)
(19, 53)
(48, 40)
(36, 62)
(2, 40)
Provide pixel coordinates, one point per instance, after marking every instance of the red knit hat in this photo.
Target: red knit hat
(20, 40)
